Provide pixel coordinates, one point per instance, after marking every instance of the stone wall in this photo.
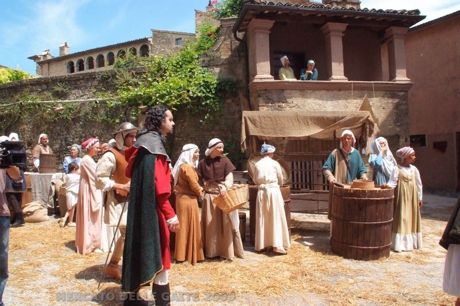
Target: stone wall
(388, 101)
(164, 42)
(227, 59)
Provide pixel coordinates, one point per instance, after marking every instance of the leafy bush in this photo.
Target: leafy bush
(229, 8)
(10, 75)
(174, 80)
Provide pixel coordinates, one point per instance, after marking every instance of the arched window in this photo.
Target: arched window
(121, 54)
(132, 51)
(179, 41)
(90, 63)
(144, 51)
(80, 65)
(100, 61)
(70, 67)
(110, 58)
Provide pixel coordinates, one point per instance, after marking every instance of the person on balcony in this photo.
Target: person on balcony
(286, 73)
(310, 73)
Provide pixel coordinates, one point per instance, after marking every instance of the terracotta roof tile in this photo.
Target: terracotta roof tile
(316, 5)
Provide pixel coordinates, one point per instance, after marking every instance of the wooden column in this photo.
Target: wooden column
(395, 37)
(259, 49)
(334, 47)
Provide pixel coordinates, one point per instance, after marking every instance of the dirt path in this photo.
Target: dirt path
(45, 270)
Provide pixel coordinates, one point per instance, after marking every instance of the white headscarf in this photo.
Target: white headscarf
(389, 162)
(212, 146)
(185, 157)
(347, 132)
(40, 137)
(13, 136)
(266, 149)
(283, 59)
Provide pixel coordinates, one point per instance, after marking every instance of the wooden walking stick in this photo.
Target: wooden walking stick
(111, 244)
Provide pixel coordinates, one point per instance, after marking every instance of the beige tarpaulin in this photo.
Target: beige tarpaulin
(298, 124)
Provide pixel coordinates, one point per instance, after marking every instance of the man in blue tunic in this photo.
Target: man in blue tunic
(345, 164)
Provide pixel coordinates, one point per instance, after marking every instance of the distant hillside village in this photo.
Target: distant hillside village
(371, 62)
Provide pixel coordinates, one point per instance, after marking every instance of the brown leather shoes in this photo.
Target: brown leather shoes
(113, 270)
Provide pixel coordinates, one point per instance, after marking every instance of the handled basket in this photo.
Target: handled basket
(235, 197)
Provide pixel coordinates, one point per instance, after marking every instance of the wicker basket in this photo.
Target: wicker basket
(363, 184)
(234, 198)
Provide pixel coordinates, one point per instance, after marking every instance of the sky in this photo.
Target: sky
(28, 27)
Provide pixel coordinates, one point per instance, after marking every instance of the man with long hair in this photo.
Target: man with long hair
(146, 255)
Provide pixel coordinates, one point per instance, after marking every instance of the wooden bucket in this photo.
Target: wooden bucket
(361, 222)
(47, 163)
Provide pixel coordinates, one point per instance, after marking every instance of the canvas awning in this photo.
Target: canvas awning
(265, 125)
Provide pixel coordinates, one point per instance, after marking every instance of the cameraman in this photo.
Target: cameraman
(14, 173)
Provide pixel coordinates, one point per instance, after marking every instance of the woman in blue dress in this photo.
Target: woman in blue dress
(73, 157)
(382, 161)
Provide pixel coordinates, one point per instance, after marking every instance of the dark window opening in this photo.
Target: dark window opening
(440, 146)
(418, 140)
(121, 54)
(90, 63)
(133, 51)
(144, 51)
(100, 62)
(70, 67)
(110, 58)
(80, 65)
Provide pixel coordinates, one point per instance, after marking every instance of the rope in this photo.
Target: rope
(95, 100)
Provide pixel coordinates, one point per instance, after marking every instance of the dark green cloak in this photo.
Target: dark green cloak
(142, 251)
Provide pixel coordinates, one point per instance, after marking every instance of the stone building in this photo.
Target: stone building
(361, 57)
(433, 62)
(360, 54)
(103, 58)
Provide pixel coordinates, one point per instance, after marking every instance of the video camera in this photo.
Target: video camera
(13, 153)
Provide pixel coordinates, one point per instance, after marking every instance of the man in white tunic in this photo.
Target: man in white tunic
(112, 180)
(271, 226)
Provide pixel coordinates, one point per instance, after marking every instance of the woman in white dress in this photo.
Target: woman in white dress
(271, 225)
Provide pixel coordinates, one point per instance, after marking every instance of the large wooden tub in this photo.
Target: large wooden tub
(361, 222)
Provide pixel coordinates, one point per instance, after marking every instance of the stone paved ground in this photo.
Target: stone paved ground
(45, 270)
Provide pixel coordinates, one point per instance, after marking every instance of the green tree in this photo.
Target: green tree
(10, 75)
(229, 8)
(176, 80)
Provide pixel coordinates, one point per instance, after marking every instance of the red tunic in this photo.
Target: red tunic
(162, 192)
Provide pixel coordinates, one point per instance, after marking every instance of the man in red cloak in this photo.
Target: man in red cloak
(146, 255)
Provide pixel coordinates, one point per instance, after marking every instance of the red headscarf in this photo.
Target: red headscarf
(89, 143)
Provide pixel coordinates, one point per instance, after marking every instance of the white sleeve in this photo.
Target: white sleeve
(229, 180)
(393, 181)
(104, 168)
(279, 173)
(418, 182)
